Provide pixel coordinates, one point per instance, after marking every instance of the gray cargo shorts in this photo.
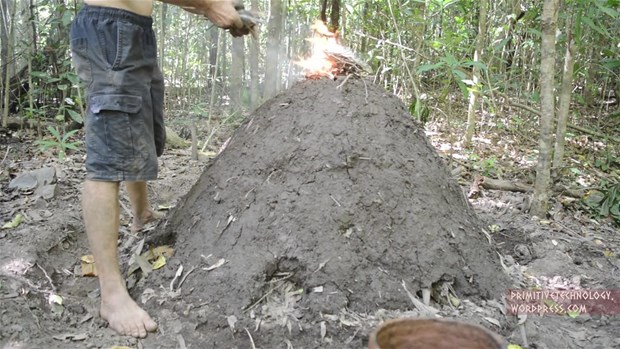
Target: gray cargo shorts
(115, 55)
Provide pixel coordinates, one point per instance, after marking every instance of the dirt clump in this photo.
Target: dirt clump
(328, 200)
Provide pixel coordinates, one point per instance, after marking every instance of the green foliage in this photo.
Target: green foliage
(607, 162)
(487, 166)
(605, 202)
(454, 70)
(59, 143)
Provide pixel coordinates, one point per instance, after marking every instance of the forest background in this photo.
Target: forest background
(519, 90)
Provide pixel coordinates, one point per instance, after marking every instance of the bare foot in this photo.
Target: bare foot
(125, 316)
(148, 217)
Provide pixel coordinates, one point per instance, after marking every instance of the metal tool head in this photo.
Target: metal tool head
(250, 21)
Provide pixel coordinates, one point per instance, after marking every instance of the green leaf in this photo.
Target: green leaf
(54, 132)
(72, 146)
(45, 145)
(66, 18)
(39, 74)
(428, 67)
(62, 87)
(450, 59)
(591, 24)
(75, 116)
(460, 74)
(68, 134)
(607, 10)
(478, 65)
(463, 88)
(74, 79)
(14, 223)
(612, 64)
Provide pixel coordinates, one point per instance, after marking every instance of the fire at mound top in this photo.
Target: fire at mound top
(337, 192)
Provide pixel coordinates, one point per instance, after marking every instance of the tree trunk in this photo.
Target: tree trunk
(213, 51)
(215, 68)
(10, 21)
(4, 39)
(334, 16)
(475, 89)
(272, 64)
(236, 72)
(324, 11)
(540, 200)
(565, 96)
(254, 77)
(162, 38)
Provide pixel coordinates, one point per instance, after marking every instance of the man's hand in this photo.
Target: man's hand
(222, 13)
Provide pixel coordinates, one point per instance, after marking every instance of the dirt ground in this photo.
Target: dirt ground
(327, 213)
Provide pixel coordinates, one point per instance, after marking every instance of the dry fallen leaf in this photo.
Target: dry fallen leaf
(164, 250)
(159, 262)
(87, 265)
(88, 269)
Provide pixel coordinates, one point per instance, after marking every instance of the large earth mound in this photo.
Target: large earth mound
(330, 197)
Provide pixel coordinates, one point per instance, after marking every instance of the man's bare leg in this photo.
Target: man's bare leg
(101, 217)
(140, 207)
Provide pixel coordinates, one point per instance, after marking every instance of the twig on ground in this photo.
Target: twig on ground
(345, 80)
(176, 276)
(251, 339)
(47, 276)
(269, 292)
(8, 148)
(336, 201)
(181, 341)
(185, 277)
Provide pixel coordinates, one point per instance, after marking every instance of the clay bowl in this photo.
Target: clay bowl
(433, 334)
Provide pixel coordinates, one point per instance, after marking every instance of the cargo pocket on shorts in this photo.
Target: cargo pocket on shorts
(113, 129)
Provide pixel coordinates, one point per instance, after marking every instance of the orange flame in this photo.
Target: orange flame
(318, 64)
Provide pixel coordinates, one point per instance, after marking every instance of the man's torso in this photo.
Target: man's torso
(141, 7)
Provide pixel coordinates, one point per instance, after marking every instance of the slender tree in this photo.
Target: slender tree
(474, 89)
(10, 21)
(565, 96)
(540, 200)
(254, 73)
(272, 62)
(236, 72)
